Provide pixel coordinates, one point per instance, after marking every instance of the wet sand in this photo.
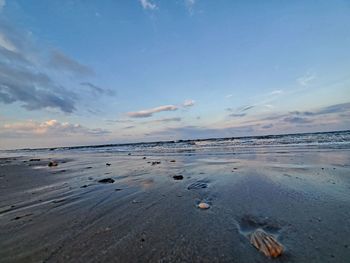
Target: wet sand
(64, 214)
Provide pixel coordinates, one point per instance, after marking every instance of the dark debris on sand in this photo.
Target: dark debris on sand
(106, 181)
(52, 164)
(178, 177)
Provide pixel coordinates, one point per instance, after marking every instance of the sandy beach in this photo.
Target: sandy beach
(65, 214)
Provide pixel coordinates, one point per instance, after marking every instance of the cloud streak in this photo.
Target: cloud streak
(60, 61)
(50, 127)
(149, 112)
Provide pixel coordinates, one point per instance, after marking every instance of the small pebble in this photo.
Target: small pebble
(108, 164)
(203, 205)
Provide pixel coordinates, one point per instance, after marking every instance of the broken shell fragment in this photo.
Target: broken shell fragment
(266, 243)
(203, 205)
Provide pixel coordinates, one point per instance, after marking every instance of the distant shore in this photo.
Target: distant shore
(108, 207)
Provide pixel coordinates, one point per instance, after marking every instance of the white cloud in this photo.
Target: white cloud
(149, 112)
(188, 103)
(228, 96)
(306, 79)
(276, 92)
(2, 4)
(189, 5)
(47, 128)
(5, 43)
(147, 4)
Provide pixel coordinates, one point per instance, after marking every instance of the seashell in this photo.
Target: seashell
(203, 205)
(266, 243)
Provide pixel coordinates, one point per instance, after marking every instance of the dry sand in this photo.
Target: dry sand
(64, 214)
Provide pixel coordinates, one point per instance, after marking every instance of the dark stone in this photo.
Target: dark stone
(108, 164)
(178, 177)
(52, 164)
(156, 162)
(106, 181)
(34, 160)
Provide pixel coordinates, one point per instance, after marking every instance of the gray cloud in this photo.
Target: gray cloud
(337, 108)
(197, 132)
(175, 119)
(149, 112)
(267, 126)
(60, 61)
(238, 114)
(297, 120)
(129, 127)
(34, 90)
(25, 77)
(97, 90)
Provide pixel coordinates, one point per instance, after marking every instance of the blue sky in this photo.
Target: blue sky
(88, 72)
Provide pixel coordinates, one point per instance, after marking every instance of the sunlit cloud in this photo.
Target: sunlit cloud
(149, 112)
(50, 127)
(188, 103)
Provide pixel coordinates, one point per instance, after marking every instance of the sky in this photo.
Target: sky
(76, 72)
